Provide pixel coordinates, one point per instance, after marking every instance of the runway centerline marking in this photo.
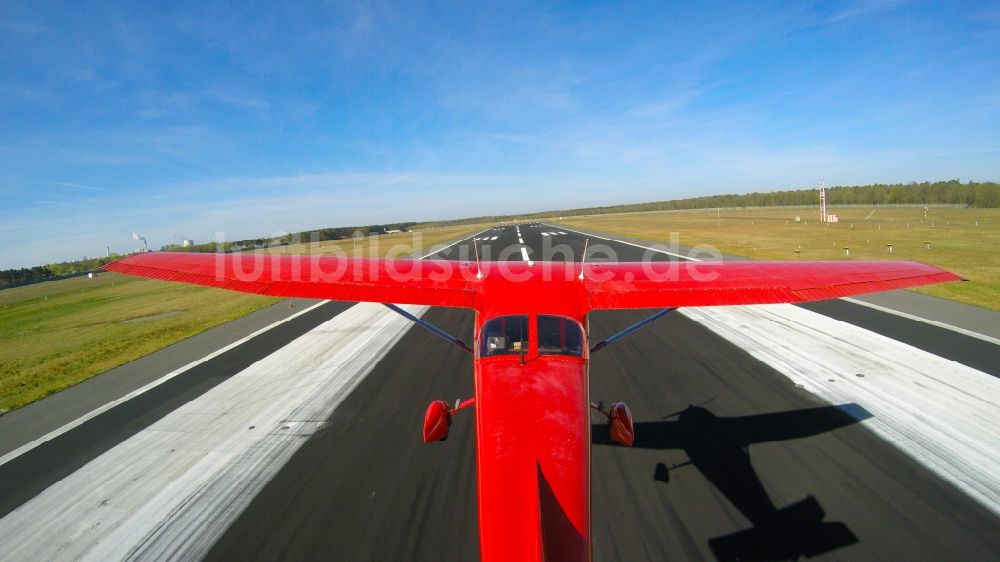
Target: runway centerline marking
(524, 255)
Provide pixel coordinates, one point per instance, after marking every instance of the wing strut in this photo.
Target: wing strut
(631, 329)
(431, 328)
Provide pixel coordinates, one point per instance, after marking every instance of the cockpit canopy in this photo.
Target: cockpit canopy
(511, 335)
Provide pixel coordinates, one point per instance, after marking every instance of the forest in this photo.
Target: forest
(26, 275)
(951, 192)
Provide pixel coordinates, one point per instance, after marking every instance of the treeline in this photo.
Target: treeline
(952, 192)
(209, 247)
(317, 235)
(341, 232)
(80, 266)
(26, 276)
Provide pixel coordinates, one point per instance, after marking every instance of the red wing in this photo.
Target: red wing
(403, 281)
(606, 285)
(689, 283)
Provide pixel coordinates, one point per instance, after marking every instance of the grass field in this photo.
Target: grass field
(964, 241)
(58, 333)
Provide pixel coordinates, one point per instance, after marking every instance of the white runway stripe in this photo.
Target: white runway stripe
(170, 490)
(942, 413)
(944, 325)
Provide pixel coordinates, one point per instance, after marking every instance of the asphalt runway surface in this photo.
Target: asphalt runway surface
(732, 461)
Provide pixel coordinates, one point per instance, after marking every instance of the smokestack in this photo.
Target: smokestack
(143, 238)
(108, 248)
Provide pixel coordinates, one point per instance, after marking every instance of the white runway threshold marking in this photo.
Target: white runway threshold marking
(169, 491)
(943, 414)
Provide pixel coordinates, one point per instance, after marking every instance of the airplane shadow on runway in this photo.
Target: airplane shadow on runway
(719, 448)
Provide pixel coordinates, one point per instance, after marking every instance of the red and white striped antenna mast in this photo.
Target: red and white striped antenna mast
(822, 201)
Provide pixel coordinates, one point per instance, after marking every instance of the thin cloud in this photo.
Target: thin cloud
(860, 8)
(79, 186)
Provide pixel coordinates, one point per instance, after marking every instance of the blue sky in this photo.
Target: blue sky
(251, 118)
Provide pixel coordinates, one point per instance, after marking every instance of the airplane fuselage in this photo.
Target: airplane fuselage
(533, 441)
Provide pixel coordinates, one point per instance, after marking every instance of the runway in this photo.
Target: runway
(356, 483)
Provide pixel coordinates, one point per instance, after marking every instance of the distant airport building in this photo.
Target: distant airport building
(187, 243)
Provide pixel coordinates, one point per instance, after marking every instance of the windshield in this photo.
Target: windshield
(559, 336)
(509, 335)
(504, 335)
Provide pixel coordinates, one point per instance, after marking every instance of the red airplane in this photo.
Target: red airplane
(532, 398)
